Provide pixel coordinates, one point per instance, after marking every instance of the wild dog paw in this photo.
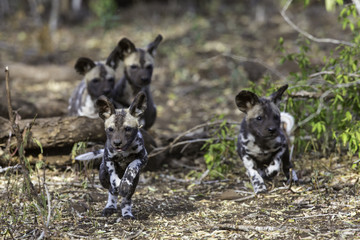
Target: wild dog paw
(294, 178)
(261, 188)
(270, 173)
(128, 216)
(258, 184)
(108, 211)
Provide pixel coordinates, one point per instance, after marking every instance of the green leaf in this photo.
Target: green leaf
(340, 2)
(39, 144)
(330, 5)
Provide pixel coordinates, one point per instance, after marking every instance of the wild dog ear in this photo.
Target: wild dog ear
(276, 96)
(114, 58)
(138, 106)
(245, 100)
(84, 65)
(151, 48)
(125, 47)
(105, 107)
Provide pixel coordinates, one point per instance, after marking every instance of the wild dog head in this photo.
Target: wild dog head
(121, 125)
(99, 76)
(138, 62)
(262, 114)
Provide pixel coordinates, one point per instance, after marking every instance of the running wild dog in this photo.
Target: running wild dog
(99, 79)
(262, 144)
(138, 69)
(124, 154)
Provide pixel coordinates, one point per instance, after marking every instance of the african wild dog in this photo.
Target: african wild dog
(124, 154)
(99, 79)
(262, 144)
(138, 69)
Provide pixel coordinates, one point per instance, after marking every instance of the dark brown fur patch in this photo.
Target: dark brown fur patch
(142, 57)
(120, 118)
(103, 71)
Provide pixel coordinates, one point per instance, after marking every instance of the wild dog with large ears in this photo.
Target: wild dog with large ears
(99, 79)
(138, 69)
(262, 144)
(124, 154)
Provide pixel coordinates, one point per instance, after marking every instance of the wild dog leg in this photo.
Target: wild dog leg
(256, 180)
(109, 179)
(126, 203)
(110, 207)
(130, 174)
(287, 165)
(273, 169)
(128, 185)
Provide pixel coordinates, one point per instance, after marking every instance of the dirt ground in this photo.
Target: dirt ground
(205, 59)
(170, 205)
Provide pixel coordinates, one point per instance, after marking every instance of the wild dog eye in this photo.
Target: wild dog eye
(111, 80)
(110, 129)
(134, 66)
(149, 67)
(95, 80)
(259, 118)
(276, 117)
(127, 129)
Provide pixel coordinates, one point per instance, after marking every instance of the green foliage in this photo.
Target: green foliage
(105, 11)
(221, 153)
(77, 149)
(332, 116)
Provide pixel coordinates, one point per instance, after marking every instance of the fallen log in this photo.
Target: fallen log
(57, 135)
(56, 131)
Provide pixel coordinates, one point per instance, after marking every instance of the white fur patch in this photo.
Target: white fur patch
(288, 120)
(88, 109)
(126, 210)
(111, 202)
(113, 177)
(90, 155)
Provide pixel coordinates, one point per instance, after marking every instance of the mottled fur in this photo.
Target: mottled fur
(262, 144)
(138, 69)
(99, 79)
(124, 154)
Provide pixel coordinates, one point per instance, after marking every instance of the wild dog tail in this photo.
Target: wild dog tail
(90, 155)
(288, 122)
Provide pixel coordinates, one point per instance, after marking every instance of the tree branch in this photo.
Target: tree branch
(308, 35)
(176, 142)
(258, 61)
(321, 103)
(357, 6)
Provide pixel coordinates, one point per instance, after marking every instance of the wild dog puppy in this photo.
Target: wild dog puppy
(99, 79)
(262, 144)
(124, 154)
(138, 69)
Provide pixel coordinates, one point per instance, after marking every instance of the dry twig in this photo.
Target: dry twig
(258, 61)
(321, 102)
(245, 198)
(308, 35)
(175, 142)
(19, 140)
(10, 169)
(248, 228)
